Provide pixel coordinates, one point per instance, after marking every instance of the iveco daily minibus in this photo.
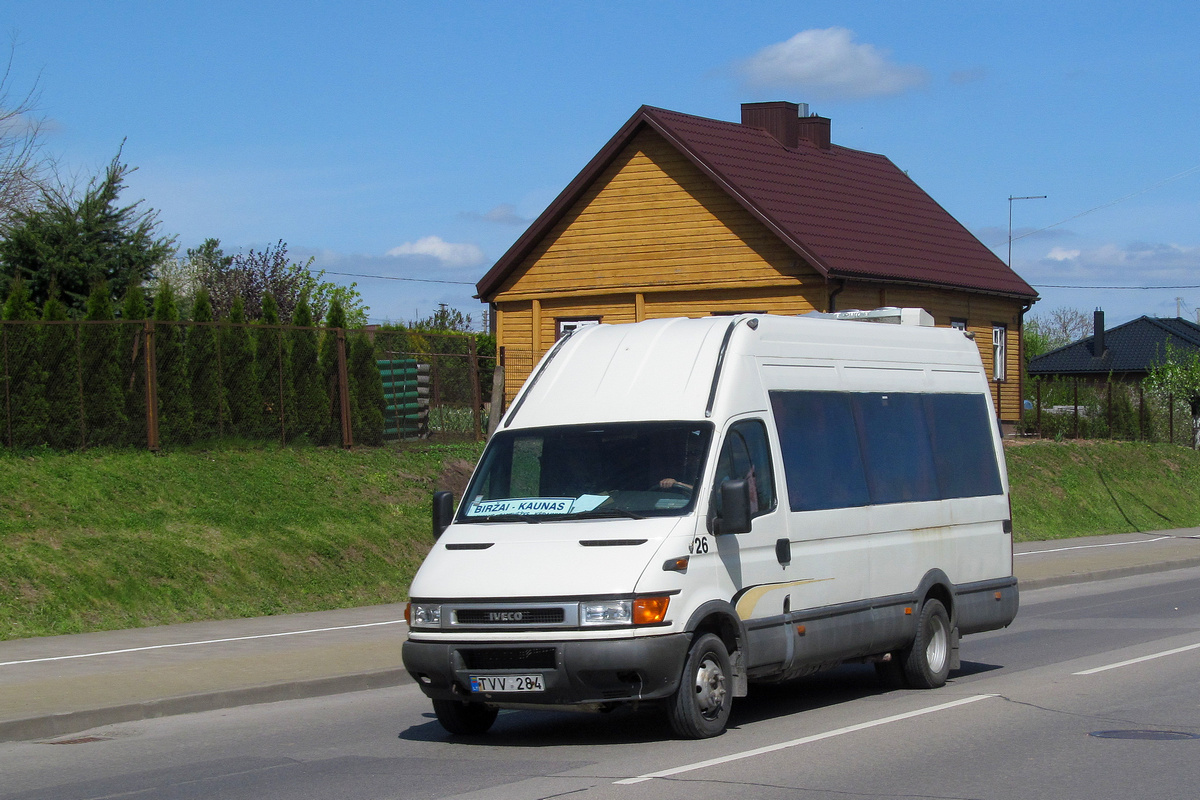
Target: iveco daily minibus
(674, 509)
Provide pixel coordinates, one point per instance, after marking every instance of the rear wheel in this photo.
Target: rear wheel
(464, 718)
(927, 662)
(700, 706)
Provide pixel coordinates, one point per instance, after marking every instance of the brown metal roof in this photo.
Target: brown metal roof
(848, 213)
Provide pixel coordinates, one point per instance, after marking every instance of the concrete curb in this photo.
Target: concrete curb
(1107, 574)
(53, 725)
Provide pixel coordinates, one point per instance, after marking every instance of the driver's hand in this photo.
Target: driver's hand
(666, 483)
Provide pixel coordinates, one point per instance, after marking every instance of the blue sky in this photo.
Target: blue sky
(417, 140)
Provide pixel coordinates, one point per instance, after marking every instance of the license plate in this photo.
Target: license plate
(507, 683)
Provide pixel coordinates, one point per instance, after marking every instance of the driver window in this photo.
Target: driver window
(746, 455)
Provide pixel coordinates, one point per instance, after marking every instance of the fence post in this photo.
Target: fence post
(476, 393)
(151, 389)
(7, 391)
(1076, 401)
(1171, 418)
(1143, 426)
(1038, 384)
(282, 407)
(1110, 411)
(79, 381)
(344, 389)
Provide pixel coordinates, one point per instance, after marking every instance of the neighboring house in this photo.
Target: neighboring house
(685, 216)
(1126, 353)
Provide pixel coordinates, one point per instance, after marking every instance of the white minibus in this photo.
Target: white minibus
(675, 509)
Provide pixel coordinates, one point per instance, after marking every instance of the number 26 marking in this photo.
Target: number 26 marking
(699, 545)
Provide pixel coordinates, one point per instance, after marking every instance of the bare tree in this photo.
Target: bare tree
(24, 168)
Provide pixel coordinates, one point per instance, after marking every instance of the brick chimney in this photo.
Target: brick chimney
(789, 123)
(1098, 334)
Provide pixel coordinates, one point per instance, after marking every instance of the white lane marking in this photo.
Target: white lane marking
(1091, 546)
(1150, 657)
(193, 644)
(712, 762)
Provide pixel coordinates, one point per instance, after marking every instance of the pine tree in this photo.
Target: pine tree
(174, 389)
(103, 398)
(209, 410)
(132, 357)
(22, 377)
(273, 360)
(366, 392)
(60, 359)
(71, 241)
(312, 402)
(238, 375)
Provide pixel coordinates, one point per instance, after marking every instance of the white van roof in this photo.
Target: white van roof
(664, 369)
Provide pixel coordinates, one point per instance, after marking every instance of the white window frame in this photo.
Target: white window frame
(999, 352)
(565, 324)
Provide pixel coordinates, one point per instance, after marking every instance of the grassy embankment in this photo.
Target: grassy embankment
(103, 540)
(1091, 488)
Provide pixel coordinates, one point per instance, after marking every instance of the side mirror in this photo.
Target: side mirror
(443, 512)
(735, 507)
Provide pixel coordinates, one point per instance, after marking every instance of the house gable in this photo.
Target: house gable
(653, 222)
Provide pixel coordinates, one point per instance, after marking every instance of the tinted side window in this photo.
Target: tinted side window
(819, 443)
(850, 449)
(896, 450)
(960, 429)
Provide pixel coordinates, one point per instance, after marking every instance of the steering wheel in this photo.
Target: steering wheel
(675, 487)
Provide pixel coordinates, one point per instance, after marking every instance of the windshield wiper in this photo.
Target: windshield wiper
(610, 511)
(531, 519)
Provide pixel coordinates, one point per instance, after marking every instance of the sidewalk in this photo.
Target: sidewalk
(62, 684)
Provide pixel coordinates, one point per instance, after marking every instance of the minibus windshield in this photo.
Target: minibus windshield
(625, 469)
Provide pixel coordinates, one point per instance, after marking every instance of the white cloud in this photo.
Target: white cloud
(449, 253)
(1062, 254)
(1136, 264)
(828, 64)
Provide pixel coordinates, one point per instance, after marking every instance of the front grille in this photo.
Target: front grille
(509, 616)
(509, 658)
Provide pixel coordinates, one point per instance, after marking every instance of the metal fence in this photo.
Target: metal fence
(1077, 408)
(81, 384)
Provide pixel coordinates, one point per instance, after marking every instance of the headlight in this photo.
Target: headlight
(426, 615)
(642, 611)
(606, 612)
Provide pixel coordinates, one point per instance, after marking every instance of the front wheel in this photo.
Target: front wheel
(700, 706)
(464, 718)
(927, 662)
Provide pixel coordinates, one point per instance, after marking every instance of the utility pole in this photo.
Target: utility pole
(1010, 202)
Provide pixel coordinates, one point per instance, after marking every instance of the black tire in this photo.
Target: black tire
(467, 719)
(927, 662)
(700, 706)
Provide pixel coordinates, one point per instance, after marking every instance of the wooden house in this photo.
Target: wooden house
(679, 215)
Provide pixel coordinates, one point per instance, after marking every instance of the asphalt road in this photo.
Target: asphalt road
(1119, 658)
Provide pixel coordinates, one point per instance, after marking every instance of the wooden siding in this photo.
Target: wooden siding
(653, 221)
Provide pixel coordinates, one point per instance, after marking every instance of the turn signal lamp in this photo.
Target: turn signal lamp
(650, 610)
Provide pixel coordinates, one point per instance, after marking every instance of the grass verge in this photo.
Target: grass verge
(1064, 490)
(119, 539)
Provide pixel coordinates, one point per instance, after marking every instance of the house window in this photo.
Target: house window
(999, 351)
(958, 324)
(567, 325)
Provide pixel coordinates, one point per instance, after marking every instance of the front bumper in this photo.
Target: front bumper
(573, 672)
